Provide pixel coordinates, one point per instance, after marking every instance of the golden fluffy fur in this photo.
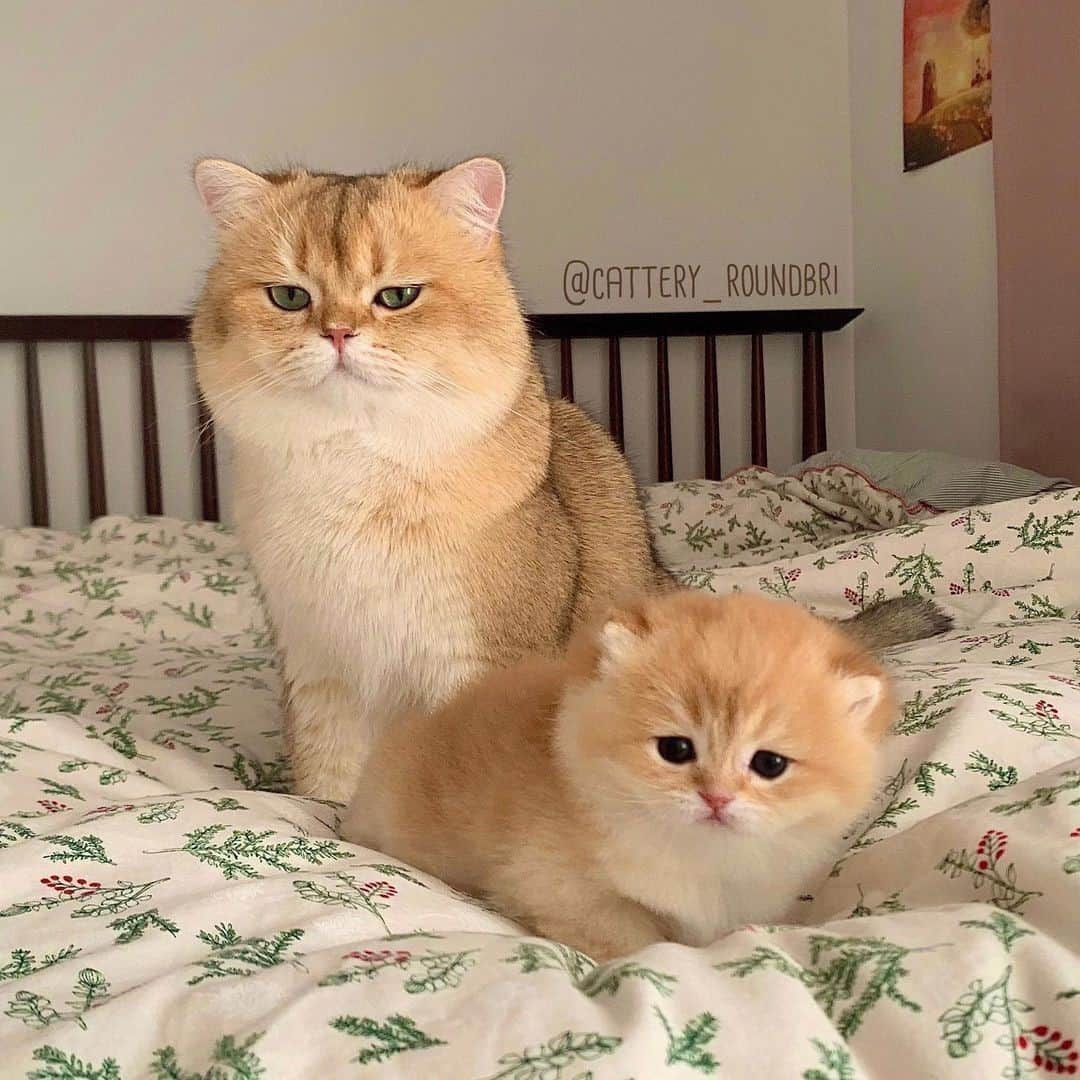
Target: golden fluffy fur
(422, 511)
(542, 788)
(417, 509)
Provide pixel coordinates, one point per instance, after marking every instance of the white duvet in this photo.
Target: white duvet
(165, 912)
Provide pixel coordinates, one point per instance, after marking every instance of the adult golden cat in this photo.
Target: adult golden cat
(417, 509)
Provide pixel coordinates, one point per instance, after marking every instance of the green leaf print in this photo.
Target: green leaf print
(440, 971)
(779, 584)
(700, 536)
(187, 703)
(91, 989)
(230, 1060)
(999, 776)
(1044, 796)
(233, 854)
(983, 544)
(925, 780)
(1002, 926)
(536, 956)
(11, 832)
(86, 848)
(225, 584)
(223, 804)
(233, 955)
(350, 894)
(132, 927)
(980, 1006)
(157, 812)
(925, 710)
(1044, 533)
(1040, 607)
(835, 1063)
(894, 808)
(889, 906)
(917, 573)
(396, 1035)
(687, 1047)
(90, 898)
(53, 787)
(984, 867)
(34, 1010)
(259, 775)
(106, 777)
(834, 972)
(609, 978)
(1042, 718)
(23, 962)
(550, 1060)
(191, 614)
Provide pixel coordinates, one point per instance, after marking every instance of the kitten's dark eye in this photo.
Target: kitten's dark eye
(676, 749)
(289, 297)
(768, 765)
(397, 296)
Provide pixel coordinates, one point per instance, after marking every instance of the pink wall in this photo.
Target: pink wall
(1037, 177)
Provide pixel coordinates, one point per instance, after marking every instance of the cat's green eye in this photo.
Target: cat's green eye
(289, 297)
(397, 296)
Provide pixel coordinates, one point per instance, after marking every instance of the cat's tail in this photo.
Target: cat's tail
(892, 622)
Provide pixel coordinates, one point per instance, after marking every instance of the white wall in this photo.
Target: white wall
(637, 133)
(925, 267)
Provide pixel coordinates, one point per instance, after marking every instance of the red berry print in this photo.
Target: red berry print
(1046, 710)
(119, 688)
(1076, 831)
(51, 806)
(382, 890)
(381, 957)
(104, 710)
(69, 887)
(1049, 1050)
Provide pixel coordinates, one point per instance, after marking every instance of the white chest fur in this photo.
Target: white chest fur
(350, 600)
(705, 885)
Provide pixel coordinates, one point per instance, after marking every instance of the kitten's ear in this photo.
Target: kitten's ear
(228, 191)
(472, 193)
(620, 637)
(862, 695)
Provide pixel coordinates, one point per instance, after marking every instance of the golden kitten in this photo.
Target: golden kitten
(417, 509)
(688, 768)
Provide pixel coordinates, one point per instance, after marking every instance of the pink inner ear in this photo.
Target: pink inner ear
(473, 192)
(490, 181)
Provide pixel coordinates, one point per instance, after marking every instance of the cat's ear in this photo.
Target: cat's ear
(472, 193)
(227, 190)
(621, 636)
(862, 695)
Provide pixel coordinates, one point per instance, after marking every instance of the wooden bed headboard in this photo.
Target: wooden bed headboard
(144, 330)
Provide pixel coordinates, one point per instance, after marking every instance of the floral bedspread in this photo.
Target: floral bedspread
(167, 912)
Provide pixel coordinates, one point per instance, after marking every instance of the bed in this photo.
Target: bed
(168, 910)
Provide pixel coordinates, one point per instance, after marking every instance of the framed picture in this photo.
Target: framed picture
(947, 79)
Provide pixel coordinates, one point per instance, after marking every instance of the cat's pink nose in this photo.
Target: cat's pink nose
(714, 802)
(338, 335)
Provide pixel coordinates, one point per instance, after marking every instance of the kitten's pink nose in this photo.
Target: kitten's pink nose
(338, 335)
(714, 802)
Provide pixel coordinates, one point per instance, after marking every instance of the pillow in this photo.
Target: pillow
(942, 481)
